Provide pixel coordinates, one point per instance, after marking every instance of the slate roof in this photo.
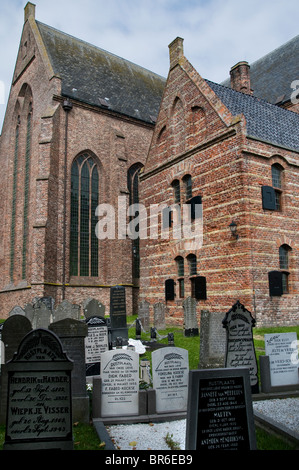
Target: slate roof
(97, 77)
(265, 121)
(272, 75)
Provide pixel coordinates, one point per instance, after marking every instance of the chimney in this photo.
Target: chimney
(29, 10)
(176, 51)
(240, 78)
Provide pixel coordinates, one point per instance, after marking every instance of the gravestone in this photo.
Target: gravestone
(93, 308)
(118, 315)
(190, 319)
(143, 314)
(39, 411)
(212, 340)
(17, 311)
(220, 414)
(159, 316)
(96, 343)
(170, 368)
(240, 350)
(72, 335)
(283, 358)
(13, 331)
(66, 310)
(42, 315)
(120, 383)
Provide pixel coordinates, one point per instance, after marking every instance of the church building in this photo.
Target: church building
(85, 129)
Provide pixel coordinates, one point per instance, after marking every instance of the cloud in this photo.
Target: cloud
(217, 33)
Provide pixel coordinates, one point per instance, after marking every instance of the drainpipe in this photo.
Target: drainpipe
(67, 106)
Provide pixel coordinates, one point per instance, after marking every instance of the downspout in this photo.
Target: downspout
(67, 106)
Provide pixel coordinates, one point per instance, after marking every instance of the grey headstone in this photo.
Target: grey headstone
(170, 368)
(72, 335)
(93, 308)
(39, 412)
(190, 318)
(220, 414)
(159, 316)
(17, 311)
(120, 383)
(212, 340)
(144, 315)
(66, 310)
(42, 315)
(240, 350)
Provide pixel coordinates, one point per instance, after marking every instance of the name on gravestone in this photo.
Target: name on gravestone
(39, 411)
(170, 368)
(96, 343)
(220, 414)
(118, 315)
(240, 350)
(282, 350)
(120, 383)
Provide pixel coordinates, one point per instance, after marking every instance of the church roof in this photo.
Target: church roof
(264, 120)
(96, 77)
(272, 75)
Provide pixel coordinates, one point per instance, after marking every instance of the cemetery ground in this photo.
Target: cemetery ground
(85, 436)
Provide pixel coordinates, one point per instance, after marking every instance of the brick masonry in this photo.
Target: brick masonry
(196, 135)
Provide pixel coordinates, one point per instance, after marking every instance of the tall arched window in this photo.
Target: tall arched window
(26, 191)
(14, 195)
(84, 257)
(133, 187)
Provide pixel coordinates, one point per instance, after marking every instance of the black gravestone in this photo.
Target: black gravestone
(240, 350)
(72, 335)
(39, 410)
(118, 314)
(220, 414)
(96, 342)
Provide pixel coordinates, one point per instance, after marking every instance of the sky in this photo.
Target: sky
(217, 33)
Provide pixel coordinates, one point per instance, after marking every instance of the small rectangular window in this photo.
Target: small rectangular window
(169, 289)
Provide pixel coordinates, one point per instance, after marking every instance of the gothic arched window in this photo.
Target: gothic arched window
(133, 187)
(84, 201)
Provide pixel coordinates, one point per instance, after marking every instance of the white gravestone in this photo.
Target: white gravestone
(120, 383)
(96, 343)
(283, 357)
(170, 368)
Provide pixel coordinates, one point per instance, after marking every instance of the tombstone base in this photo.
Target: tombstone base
(80, 409)
(119, 333)
(61, 445)
(191, 332)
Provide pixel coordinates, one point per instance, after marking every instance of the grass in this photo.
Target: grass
(85, 436)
